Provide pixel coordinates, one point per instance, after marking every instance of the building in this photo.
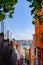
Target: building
(16, 46)
(1, 39)
(6, 43)
(31, 55)
(38, 40)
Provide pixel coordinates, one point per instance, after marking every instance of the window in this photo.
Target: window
(38, 54)
(36, 38)
(41, 37)
(35, 51)
(42, 55)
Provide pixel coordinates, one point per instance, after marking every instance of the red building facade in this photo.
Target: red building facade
(39, 39)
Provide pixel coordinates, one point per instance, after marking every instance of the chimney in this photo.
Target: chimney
(11, 36)
(7, 34)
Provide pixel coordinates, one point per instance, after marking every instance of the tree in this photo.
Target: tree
(36, 6)
(7, 6)
(25, 48)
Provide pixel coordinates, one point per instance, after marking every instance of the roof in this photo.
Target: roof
(16, 44)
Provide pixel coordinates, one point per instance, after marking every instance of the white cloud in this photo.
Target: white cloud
(28, 30)
(21, 34)
(26, 34)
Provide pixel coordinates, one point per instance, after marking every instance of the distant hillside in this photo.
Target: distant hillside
(24, 42)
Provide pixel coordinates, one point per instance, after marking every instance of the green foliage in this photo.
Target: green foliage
(40, 19)
(6, 6)
(32, 11)
(36, 6)
(25, 48)
(35, 16)
(2, 16)
(33, 22)
(29, 0)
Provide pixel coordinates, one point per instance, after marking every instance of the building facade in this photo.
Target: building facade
(31, 55)
(38, 41)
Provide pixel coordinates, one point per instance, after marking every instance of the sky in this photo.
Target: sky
(20, 26)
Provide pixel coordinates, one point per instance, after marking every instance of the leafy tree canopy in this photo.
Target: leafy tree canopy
(36, 5)
(6, 6)
(25, 48)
